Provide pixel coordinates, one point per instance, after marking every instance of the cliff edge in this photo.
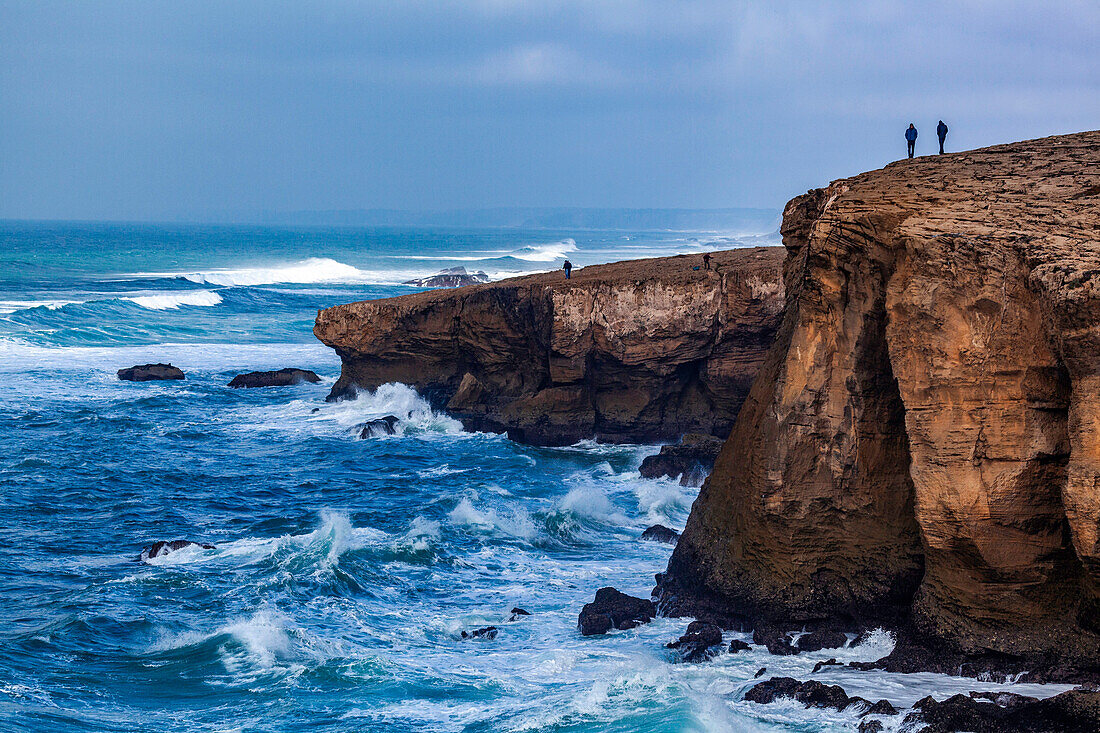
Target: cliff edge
(922, 446)
(635, 351)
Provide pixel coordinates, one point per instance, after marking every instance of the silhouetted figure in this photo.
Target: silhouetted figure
(941, 131)
(568, 267)
(911, 138)
(706, 261)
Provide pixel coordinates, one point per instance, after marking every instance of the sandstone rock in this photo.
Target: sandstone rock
(698, 642)
(452, 277)
(661, 533)
(150, 373)
(818, 640)
(280, 378)
(691, 459)
(382, 426)
(921, 449)
(612, 609)
(161, 548)
(639, 351)
(1070, 712)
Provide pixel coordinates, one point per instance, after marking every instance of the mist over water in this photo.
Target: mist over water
(344, 570)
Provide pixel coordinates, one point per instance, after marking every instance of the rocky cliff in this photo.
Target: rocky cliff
(922, 446)
(635, 351)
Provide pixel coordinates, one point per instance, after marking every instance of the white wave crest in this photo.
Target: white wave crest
(546, 252)
(313, 270)
(166, 301)
(11, 306)
(518, 524)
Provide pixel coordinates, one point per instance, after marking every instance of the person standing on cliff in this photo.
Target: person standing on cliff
(941, 131)
(911, 138)
(706, 260)
(568, 267)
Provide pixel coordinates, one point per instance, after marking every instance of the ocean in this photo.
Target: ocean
(344, 570)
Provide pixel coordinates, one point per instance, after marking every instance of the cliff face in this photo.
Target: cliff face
(634, 351)
(922, 447)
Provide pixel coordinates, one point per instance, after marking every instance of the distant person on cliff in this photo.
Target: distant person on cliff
(706, 261)
(568, 267)
(911, 138)
(941, 131)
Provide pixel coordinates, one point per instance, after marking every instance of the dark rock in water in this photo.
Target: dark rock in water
(517, 612)
(161, 547)
(697, 644)
(691, 459)
(818, 640)
(882, 707)
(1075, 711)
(827, 663)
(738, 646)
(776, 641)
(280, 378)
(382, 426)
(453, 277)
(661, 533)
(612, 609)
(870, 726)
(489, 632)
(760, 673)
(150, 373)
(812, 693)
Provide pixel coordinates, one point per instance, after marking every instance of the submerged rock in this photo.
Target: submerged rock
(870, 726)
(691, 459)
(382, 426)
(661, 533)
(831, 662)
(150, 373)
(161, 548)
(612, 609)
(812, 694)
(777, 642)
(698, 642)
(280, 378)
(818, 640)
(452, 277)
(489, 632)
(517, 612)
(1071, 712)
(736, 645)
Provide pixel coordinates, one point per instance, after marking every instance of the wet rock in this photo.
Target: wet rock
(382, 426)
(161, 548)
(661, 533)
(452, 277)
(882, 707)
(812, 694)
(760, 673)
(870, 726)
(699, 642)
(517, 613)
(776, 641)
(280, 378)
(1076, 711)
(737, 645)
(489, 632)
(826, 663)
(691, 459)
(612, 609)
(150, 373)
(818, 640)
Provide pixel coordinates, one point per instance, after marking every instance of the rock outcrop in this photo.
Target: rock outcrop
(166, 547)
(637, 351)
(150, 373)
(613, 609)
(922, 446)
(281, 378)
(690, 460)
(452, 277)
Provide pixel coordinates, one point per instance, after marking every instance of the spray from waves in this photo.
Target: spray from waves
(518, 524)
(393, 398)
(157, 301)
(314, 270)
(167, 301)
(545, 252)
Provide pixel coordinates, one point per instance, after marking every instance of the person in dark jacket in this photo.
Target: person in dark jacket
(911, 138)
(941, 131)
(706, 260)
(568, 267)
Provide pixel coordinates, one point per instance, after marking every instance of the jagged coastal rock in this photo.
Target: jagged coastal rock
(922, 446)
(280, 378)
(690, 460)
(452, 277)
(166, 547)
(150, 373)
(638, 351)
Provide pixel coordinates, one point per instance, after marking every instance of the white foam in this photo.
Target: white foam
(545, 252)
(314, 270)
(517, 524)
(166, 301)
(11, 306)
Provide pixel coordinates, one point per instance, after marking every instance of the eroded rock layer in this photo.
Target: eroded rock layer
(922, 447)
(634, 351)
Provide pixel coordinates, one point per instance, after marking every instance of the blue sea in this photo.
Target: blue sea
(344, 570)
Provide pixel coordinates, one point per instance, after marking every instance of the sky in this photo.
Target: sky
(205, 111)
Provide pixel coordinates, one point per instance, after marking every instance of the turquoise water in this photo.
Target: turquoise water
(345, 570)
